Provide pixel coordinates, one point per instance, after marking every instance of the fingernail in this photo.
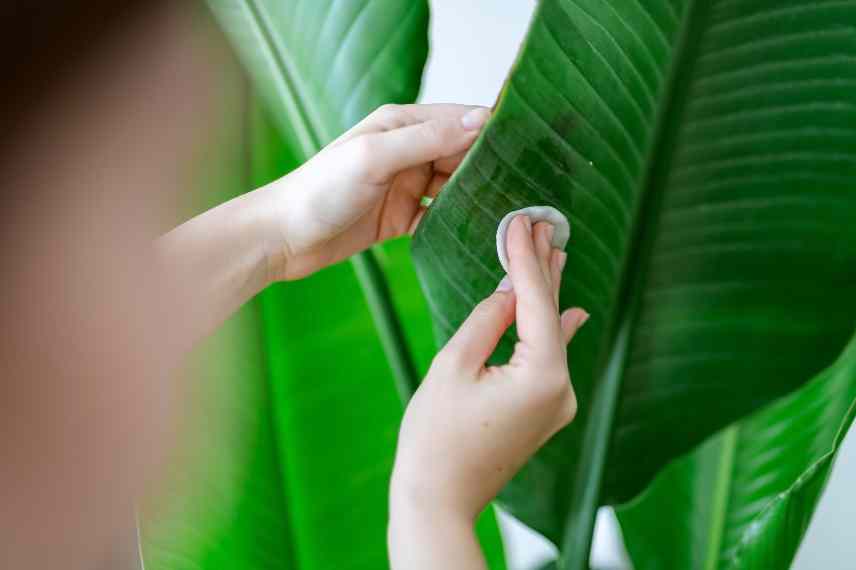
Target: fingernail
(504, 285)
(475, 119)
(563, 258)
(583, 319)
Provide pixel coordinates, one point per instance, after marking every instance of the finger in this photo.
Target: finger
(436, 184)
(542, 236)
(572, 321)
(537, 319)
(449, 165)
(387, 153)
(434, 188)
(557, 264)
(476, 339)
(390, 117)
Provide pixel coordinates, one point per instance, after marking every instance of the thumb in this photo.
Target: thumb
(476, 339)
(390, 152)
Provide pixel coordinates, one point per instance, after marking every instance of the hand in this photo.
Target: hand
(469, 428)
(367, 186)
(363, 188)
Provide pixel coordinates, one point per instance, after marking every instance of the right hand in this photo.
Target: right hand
(469, 428)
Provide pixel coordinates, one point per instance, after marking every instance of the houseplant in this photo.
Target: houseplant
(700, 150)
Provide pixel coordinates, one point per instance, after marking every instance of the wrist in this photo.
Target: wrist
(423, 534)
(269, 229)
(413, 498)
(411, 516)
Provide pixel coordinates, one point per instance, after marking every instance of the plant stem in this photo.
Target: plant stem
(379, 298)
(577, 540)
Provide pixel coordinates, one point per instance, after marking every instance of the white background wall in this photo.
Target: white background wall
(474, 43)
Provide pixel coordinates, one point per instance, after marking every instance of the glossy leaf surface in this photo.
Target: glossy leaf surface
(703, 152)
(743, 500)
(321, 66)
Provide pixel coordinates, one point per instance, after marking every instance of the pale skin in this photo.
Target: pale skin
(470, 427)
(474, 425)
(363, 188)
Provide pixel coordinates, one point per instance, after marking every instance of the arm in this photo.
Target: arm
(469, 427)
(218, 260)
(363, 188)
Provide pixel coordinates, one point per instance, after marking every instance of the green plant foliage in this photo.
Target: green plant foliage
(342, 441)
(743, 500)
(288, 453)
(221, 505)
(337, 445)
(321, 67)
(703, 152)
(296, 454)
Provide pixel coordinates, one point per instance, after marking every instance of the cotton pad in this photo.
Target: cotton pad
(549, 214)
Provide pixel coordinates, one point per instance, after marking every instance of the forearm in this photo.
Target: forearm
(218, 261)
(425, 538)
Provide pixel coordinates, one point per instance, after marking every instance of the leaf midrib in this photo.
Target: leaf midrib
(722, 497)
(309, 140)
(598, 437)
(312, 135)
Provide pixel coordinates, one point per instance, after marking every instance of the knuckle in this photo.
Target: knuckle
(363, 153)
(432, 133)
(387, 111)
(447, 359)
(552, 389)
(568, 410)
(485, 307)
(364, 146)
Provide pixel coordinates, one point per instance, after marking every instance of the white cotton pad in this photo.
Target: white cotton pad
(549, 214)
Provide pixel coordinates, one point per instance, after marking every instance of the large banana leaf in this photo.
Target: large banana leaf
(288, 461)
(293, 469)
(322, 66)
(337, 419)
(704, 154)
(743, 499)
(291, 461)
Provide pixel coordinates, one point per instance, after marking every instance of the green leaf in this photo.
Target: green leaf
(703, 152)
(744, 499)
(336, 446)
(293, 470)
(321, 67)
(286, 457)
(222, 503)
(337, 418)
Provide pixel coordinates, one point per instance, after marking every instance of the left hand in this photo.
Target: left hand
(366, 186)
